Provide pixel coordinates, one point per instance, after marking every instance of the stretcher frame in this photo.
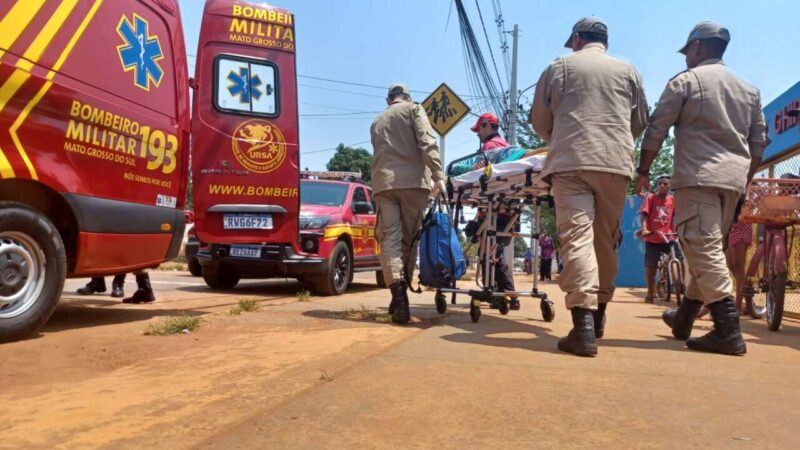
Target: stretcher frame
(492, 194)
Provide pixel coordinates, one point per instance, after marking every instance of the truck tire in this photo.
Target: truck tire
(337, 273)
(221, 277)
(194, 267)
(33, 266)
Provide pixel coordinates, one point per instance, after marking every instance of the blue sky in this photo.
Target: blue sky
(379, 42)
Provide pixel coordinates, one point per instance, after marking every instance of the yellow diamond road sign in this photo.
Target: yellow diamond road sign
(444, 109)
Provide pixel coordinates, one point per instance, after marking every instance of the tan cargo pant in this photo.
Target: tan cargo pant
(588, 213)
(703, 217)
(400, 213)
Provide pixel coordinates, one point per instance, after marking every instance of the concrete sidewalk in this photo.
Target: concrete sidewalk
(501, 383)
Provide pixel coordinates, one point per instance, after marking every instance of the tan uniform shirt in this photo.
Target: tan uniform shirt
(405, 152)
(719, 126)
(589, 107)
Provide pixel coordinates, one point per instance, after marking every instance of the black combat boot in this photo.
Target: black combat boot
(514, 304)
(600, 320)
(117, 286)
(580, 339)
(726, 337)
(401, 313)
(144, 294)
(96, 286)
(681, 319)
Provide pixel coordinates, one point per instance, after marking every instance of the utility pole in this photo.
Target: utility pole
(512, 123)
(512, 95)
(441, 150)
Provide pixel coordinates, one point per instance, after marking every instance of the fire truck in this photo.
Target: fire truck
(96, 126)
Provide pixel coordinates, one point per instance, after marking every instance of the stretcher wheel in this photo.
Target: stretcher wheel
(504, 306)
(475, 313)
(441, 303)
(548, 311)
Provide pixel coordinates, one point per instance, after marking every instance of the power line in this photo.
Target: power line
(333, 148)
(341, 91)
(489, 44)
(340, 114)
(329, 107)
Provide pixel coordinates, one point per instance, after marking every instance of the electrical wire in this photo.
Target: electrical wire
(481, 82)
(340, 114)
(333, 148)
(489, 45)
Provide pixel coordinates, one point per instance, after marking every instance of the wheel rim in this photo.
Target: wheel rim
(22, 273)
(341, 271)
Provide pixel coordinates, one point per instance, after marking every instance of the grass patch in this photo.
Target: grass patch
(245, 305)
(304, 296)
(363, 313)
(173, 266)
(173, 325)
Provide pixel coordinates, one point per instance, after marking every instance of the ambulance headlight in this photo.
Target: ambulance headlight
(314, 222)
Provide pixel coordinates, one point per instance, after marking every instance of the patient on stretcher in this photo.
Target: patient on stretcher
(497, 156)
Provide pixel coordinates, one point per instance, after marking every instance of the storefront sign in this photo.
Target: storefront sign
(784, 130)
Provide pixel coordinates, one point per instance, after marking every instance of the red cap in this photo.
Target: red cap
(485, 118)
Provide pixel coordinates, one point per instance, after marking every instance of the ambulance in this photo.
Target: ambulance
(95, 135)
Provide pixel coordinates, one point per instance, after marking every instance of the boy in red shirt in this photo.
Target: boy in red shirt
(656, 212)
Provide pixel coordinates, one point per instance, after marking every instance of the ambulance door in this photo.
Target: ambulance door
(244, 128)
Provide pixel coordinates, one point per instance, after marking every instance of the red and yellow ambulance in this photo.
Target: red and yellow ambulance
(94, 141)
(245, 151)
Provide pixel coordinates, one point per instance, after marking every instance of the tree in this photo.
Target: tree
(348, 159)
(519, 248)
(526, 137)
(662, 165)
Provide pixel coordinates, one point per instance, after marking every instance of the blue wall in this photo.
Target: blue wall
(631, 254)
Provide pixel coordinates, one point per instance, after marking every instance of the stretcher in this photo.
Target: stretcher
(503, 188)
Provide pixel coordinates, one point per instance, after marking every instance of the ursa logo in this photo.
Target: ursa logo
(259, 146)
(140, 52)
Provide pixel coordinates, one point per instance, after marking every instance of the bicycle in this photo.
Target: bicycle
(775, 203)
(671, 272)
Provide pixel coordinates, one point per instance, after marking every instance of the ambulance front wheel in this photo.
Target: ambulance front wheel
(33, 265)
(221, 277)
(548, 311)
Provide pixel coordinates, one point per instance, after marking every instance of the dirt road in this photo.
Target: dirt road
(303, 375)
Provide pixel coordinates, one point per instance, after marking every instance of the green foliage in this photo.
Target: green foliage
(519, 247)
(173, 325)
(526, 137)
(662, 165)
(350, 159)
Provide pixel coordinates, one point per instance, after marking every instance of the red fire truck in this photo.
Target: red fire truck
(94, 142)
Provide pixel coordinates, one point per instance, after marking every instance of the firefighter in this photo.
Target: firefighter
(405, 169)
(144, 292)
(720, 137)
(589, 107)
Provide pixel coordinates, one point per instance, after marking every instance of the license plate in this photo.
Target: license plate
(246, 251)
(247, 221)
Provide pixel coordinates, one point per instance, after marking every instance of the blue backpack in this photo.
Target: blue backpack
(441, 261)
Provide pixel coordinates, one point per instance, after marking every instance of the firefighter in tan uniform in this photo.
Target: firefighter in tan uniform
(589, 107)
(720, 136)
(405, 167)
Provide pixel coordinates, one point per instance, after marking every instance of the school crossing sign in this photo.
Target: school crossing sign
(445, 109)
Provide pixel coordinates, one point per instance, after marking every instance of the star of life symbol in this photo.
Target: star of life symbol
(244, 86)
(141, 52)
